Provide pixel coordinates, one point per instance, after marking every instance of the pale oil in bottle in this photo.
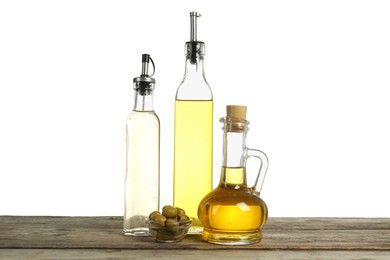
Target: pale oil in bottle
(193, 132)
(193, 154)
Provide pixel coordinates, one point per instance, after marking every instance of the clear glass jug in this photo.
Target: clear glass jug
(234, 213)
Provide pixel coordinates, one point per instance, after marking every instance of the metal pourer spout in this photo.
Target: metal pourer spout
(145, 67)
(194, 49)
(145, 83)
(145, 64)
(194, 16)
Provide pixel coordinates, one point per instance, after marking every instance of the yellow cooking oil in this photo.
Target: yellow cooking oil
(231, 212)
(192, 156)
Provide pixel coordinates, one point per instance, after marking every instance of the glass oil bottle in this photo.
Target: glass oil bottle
(234, 213)
(193, 132)
(142, 156)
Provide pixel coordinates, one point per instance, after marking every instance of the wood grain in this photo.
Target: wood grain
(45, 236)
(98, 254)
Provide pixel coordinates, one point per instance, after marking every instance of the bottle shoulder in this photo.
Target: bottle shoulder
(235, 196)
(199, 90)
(143, 116)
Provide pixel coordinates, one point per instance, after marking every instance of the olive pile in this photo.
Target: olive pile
(170, 225)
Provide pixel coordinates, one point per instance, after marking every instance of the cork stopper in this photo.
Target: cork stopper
(237, 115)
(236, 111)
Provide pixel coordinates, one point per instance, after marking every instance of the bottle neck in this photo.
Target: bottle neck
(233, 173)
(194, 68)
(143, 101)
(194, 52)
(234, 149)
(235, 153)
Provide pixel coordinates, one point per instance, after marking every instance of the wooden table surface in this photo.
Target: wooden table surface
(38, 237)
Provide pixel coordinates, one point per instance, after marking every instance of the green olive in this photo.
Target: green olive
(172, 225)
(169, 212)
(180, 211)
(168, 236)
(160, 220)
(163, 236)
(153, 214)
(183, 218)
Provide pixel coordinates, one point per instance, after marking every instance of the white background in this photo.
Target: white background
(314, 74)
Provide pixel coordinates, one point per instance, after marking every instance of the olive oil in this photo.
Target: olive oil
(193, 154)
(231, 211)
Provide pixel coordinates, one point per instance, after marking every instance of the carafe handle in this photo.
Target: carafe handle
(262, 170)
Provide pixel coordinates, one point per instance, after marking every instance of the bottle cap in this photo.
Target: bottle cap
(236, 111)
(235, 120)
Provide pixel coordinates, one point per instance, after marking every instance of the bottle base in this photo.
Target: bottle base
(137, 232)
(231, 238)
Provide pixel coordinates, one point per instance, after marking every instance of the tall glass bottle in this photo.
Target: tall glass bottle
(234, 213)
(142, 156)
(193, 135)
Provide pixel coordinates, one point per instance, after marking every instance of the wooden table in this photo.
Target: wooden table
(25, 237)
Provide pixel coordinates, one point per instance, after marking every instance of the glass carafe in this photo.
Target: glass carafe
(234, 213)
